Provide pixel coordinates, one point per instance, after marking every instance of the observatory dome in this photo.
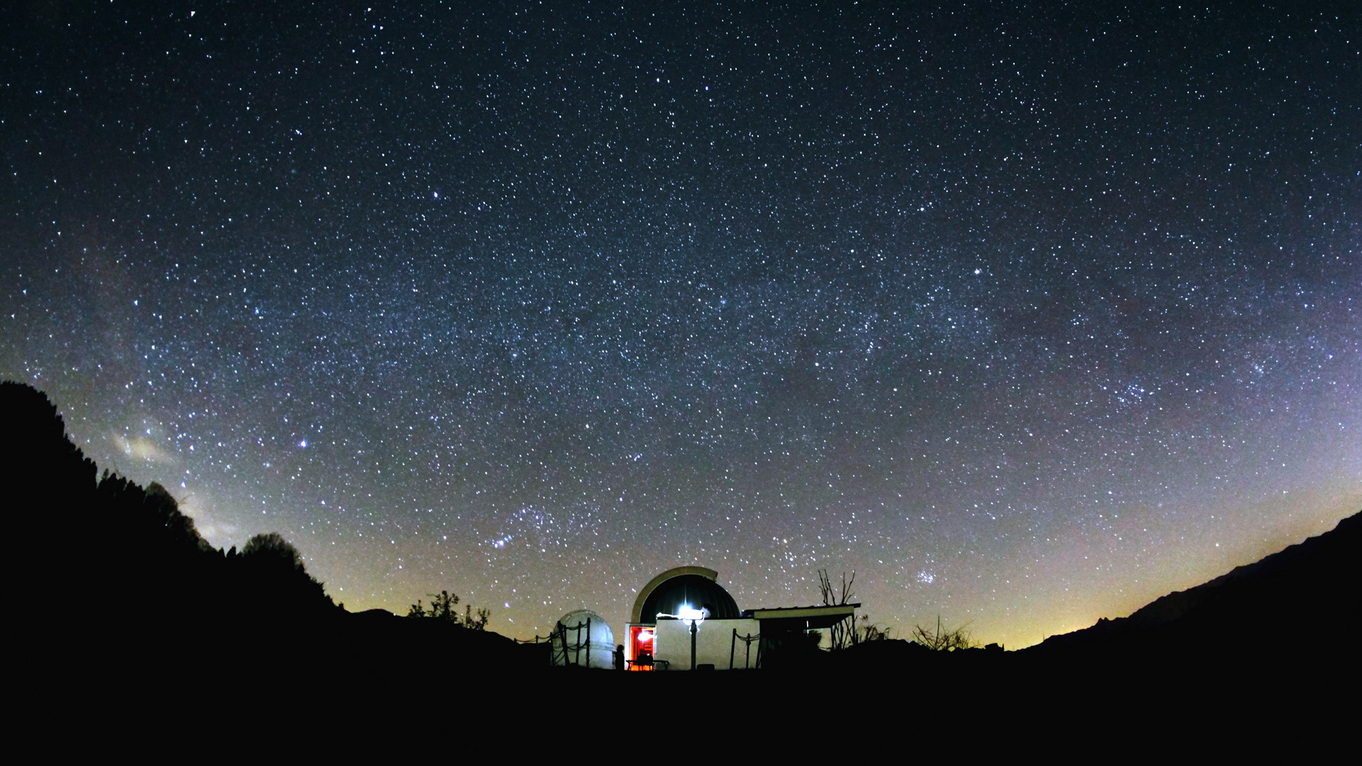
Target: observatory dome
(693, 586)
(584, 639)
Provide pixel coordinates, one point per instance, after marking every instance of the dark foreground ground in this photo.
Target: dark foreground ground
(368, 693)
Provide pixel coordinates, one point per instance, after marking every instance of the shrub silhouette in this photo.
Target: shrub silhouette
(943, 639)
(443, 607)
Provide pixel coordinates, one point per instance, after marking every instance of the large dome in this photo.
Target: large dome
(693, 586)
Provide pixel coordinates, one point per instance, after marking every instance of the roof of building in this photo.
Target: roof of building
(806, 617)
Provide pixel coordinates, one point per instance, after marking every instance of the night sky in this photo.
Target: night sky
(1026, 313)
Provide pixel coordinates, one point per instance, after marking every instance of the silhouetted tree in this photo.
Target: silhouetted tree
(277, 583)
(943, 639)
(443, 607)
(846, 633)
(476, 621)
(163, 512)
(38, 461)
(271, 549)
(869, 631)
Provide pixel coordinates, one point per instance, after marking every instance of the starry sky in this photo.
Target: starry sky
(1026, 313)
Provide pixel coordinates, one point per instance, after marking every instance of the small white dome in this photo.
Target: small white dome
(584, 639)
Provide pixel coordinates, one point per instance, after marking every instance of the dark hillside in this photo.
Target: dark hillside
(1312, 589)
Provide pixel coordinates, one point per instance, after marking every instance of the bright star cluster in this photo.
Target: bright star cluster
(1027, 313)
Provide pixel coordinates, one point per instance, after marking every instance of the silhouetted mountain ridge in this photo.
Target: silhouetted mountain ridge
(1316, 581)
(110, 552)
(119, 580)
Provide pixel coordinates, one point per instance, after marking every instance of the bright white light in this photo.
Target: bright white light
(690, 614)
(687, 614)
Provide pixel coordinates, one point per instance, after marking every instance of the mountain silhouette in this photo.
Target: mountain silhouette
(1312, 587)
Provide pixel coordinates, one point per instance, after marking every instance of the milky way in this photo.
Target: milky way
(1026, 314)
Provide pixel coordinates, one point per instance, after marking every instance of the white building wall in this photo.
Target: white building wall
(712, 643)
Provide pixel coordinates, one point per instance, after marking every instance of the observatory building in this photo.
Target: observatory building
(684, 619)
